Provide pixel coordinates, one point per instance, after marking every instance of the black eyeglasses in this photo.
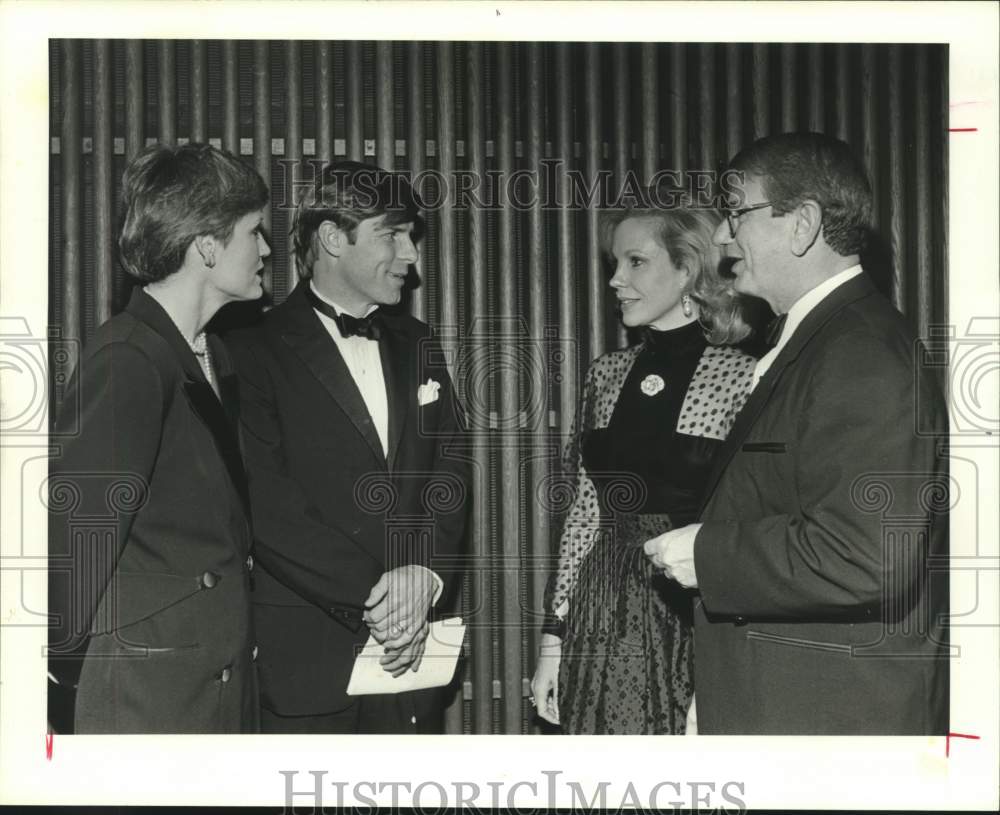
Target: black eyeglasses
(733, 216)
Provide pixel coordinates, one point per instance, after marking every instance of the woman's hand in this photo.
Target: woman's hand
(545, 683)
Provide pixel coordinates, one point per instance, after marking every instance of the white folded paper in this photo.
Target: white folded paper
(444, 644)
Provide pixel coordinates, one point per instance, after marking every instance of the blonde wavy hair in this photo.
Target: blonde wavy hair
(685, 231)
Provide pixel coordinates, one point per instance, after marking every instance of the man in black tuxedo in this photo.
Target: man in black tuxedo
(350, 428)
(821, 556)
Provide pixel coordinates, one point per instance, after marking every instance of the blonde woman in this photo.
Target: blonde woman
(616, 653)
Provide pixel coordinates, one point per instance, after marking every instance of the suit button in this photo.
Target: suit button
(249, 563)
(740, 621)
(226, 675)
(253, 654)
(209, 580)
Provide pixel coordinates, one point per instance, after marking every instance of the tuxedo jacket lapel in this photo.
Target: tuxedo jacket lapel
(827, 309)
(220, 417)
(400, 389)
(309, 339)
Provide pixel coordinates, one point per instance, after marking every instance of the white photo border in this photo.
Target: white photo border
(789, 772)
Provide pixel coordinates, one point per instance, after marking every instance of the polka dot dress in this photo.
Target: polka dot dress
(649, 420)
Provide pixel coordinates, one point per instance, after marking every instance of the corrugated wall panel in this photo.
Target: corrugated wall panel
(71, 193)
(230, 97)
(473, 707)
(167, 87)
(199, 92)
(516, 285)
(541, 450)
(353, 103)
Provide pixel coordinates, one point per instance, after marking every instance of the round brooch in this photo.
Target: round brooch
(652, 385)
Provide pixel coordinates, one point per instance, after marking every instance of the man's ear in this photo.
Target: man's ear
(331, 238)
(807, 227)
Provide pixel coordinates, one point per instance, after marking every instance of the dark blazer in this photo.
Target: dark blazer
(149, 536)
(332, 512)
(822, 560)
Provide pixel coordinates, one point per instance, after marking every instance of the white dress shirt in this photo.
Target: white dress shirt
(363, 361)
(365, 364)
(796, 314)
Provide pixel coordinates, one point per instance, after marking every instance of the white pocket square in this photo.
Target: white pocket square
(428, 392)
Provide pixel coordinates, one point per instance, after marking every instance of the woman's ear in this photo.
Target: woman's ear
(331, 238)
(205, 246)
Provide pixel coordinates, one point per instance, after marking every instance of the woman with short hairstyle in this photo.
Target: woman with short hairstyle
(149, 533)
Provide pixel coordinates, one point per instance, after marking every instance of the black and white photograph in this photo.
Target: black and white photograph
(412, 404)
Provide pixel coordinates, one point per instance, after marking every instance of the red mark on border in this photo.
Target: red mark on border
(963, 129)
(49, 738)
(950, 736)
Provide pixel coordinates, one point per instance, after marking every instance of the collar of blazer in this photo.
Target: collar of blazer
(826, 310)
(302, 330)
(220, 419)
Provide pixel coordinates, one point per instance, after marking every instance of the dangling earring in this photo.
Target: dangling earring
(210, 262)
(687, 306)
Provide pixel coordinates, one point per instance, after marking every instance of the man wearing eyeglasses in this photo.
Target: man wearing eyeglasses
(821, 554)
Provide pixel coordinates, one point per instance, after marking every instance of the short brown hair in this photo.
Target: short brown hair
(347, 193)
(171, 195)
(798, 167)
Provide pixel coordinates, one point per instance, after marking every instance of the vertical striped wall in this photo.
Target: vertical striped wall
(516, 287)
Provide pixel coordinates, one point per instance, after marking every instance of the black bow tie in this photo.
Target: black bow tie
(774, 329)
(368, 327)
